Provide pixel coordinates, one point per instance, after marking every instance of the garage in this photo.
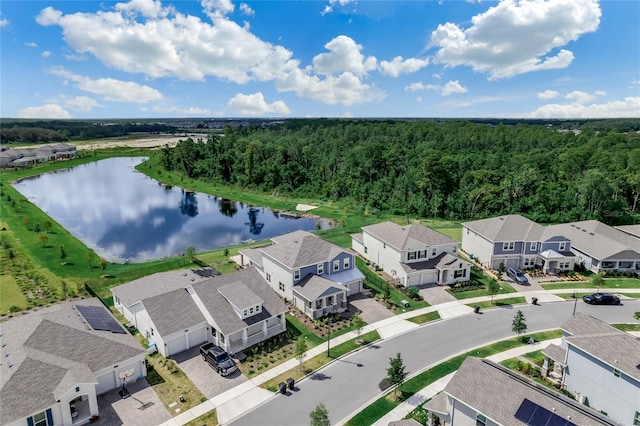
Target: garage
(423, 277)
(106, 382)
(354, 287)
(196, 337)
(176, 345)
(185, 341)
(513, 263)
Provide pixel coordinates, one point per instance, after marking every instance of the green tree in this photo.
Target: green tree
(64, 288)
(90, 258)
(501, 269)
(226, 252)
(519, 324)
(395, 372)
(190, 253)
(413, 293)
(319, 416)
(103, 263)
(63, 252)
(493, 288)
(43, 239)
(46, 225)
(301, 350)
(36, 227)
(597, 281)
(358, 323)
(26, 220)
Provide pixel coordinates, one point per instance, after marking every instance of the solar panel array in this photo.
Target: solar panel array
(534, 415)
(100, 319)
(206, 272)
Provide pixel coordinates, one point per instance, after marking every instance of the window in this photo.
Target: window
(213, 332)
(534, 246)
(412, 255)
(257, 309)
(320, 268)
(460, 273)
(329, 300)
(508, 245)
(433, 252)
(564, 265)
(251, 310)
(563, 246)
(346, 263)
(422, 254)
(296, 274)
(117, 299)
(636, 419)
(221, 338)
(152, 333)
(616, 372)
(281, 286)
(245, 313)
(481, 420)
(318, 303)
(41, 419)
(268, 277)
(336, 265)
(309, 305)
(365, 250)
(384, 245)
(529, 261)
(454, 250)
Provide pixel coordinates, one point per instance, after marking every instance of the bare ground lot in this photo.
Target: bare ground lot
(142, 141)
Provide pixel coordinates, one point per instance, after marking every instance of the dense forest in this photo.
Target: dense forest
(451, 169)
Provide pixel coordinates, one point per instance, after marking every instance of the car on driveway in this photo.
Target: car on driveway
(218, 359)
(601, 299)
(517, 275)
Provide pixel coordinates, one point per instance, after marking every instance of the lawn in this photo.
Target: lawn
(208, 419)
(499, 302)
(627, 327)
(607, 285)
(483, 279)
(424, 318)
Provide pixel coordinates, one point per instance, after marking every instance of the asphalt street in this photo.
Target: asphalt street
(350, 383)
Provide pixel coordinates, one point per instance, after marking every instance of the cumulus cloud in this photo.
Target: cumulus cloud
(332, 3)
(579, 97)
(343, 56)
(31, 44)
(255, 104)
(81, 103)
(190, 111)
(44, 111)
(111, 89)
(4, 22)
(517, 36)
(453, 86)
(627, 108)
(547, 94)
(76, 58)
(246, 9)
(600, 93)
(402, 66)
(46, 54)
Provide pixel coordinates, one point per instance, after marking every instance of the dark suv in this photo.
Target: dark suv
(601, 299)
(218, 359)
(517, 275)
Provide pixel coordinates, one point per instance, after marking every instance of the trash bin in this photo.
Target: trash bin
(534, 300)
(291, 383)
(283, 387)
(476, 309)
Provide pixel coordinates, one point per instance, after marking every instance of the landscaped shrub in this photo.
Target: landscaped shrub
(413, 293)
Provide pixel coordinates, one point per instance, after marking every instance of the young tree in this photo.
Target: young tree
(357, 322)
(90, 257)
(43, 239)
(597, 281)
(320, 416)
(36, 227)
(64, 288)
(190, 253)
(226, 252)
(413, 293)
(519, 325)
(493, 288)
(395, 372)
(26, 220)
(301, 350)
(103, 263)
(501, 269)
(63, 252)
(46, 225)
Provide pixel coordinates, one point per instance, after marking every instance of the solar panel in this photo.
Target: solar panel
(532, 414)
(206, 272)
(99, 318)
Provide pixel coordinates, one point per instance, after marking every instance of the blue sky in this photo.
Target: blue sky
(334, 58)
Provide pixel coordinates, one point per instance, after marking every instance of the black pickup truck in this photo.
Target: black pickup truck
(218, 359)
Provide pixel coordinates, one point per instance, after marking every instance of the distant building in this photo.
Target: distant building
(22, 157)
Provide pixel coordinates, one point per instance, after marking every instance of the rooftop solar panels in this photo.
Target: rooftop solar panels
(206, 272)
(534, 415)
(99, 318)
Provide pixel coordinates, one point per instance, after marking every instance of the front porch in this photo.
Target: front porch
(553, 262)
(318, 297)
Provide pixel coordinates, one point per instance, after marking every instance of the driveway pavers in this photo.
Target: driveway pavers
(142, 408)
(370, 309)
(435, 294)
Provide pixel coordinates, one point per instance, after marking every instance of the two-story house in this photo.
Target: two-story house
(517, 242)
(412, 254)
(599, 364)
(312, 273)
(178, 310)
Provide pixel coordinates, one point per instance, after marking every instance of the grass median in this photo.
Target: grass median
(487, 304)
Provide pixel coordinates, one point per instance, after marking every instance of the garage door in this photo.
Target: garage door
(197, 337)
(512, 263)
(176, 345)
(106, 382)
(354, 288)
(428, 277)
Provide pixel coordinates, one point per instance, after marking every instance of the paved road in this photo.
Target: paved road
(351, 382)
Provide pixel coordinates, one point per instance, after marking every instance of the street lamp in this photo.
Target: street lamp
(575, 302)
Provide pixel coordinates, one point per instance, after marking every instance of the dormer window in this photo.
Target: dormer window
(336, 265)
(296, 274)
(346, 263)
(251, 310)
(320, 268)
(534, 245)
(412, 255)
(563, 246)
(508, 245)
(433, 252)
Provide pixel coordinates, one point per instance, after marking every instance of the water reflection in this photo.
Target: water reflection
(124, 215)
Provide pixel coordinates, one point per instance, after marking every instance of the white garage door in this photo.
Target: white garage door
(106, 382)
(176, 345)
(354, 288)
(197, 336)
(512, 263)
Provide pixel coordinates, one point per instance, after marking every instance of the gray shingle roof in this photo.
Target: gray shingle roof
(633, 230)
(556, 353)
(222, 312)
(597, 239)
(173, 311)
(584, 325)
(357, 237)
(301, 248)
(478, 378)
(154, 285)
(240, 295)
(254, 254)
(313, 286)
(405, 237)
(511, 227)
(442, 261)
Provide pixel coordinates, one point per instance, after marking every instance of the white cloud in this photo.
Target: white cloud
(579, 97)
(402, 66)
(517, 36)
(81, 103)
(255, 105)
(451, 87)
(246, 9)
(628, 107)
(600, 93)
(348, 114)
(191, 111)
(4, 22)
(31, 44)
(332, 3)
(343, 56)
(436, 75)
(111, 89)
(46, 54)
(77, 58)
(547, 94)
(44, 111)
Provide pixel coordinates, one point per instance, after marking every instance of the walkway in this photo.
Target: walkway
(248, 395)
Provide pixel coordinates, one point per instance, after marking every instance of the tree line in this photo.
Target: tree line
(453, 169)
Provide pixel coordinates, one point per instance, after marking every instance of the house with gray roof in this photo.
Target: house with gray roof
(178, 310)
(517, 242)
(57, 360)
(484, 393)
(601, 247)
(22, 157)
(412, 254)
(315, 275)
(600, 365)
(633, 230)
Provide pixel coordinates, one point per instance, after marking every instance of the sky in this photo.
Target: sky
(332, 58)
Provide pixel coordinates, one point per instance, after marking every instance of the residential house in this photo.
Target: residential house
(179, 310)
(600, 365)
(517, 242)
(315, 275)
(57, 360)
(633, 230)
(600, 247)
(21, 157)
(412, 254)
(484, 393)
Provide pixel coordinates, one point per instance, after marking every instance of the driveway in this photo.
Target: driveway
(142, 408)
(532, 286)
(203, 376)
(435, 294)
(370, 310)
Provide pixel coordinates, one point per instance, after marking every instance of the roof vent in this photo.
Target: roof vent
(584, 230)
(591, 233)
(501, 218)
(10, 363)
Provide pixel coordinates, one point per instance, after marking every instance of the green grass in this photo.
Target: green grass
(385, 404)
(208, 419)
(499, 302)
(10, 294)
(298, 329)
(424, 318)
(608, 284)
(627, 327)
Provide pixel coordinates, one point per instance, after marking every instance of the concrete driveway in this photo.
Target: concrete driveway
(142, 408)
(203, 376)
(435, 294)
(370, 310)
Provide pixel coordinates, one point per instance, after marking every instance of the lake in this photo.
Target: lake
(125, 216)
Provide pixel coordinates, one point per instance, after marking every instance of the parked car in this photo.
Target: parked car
(218, 359)
(601, 299)
(517, 275)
